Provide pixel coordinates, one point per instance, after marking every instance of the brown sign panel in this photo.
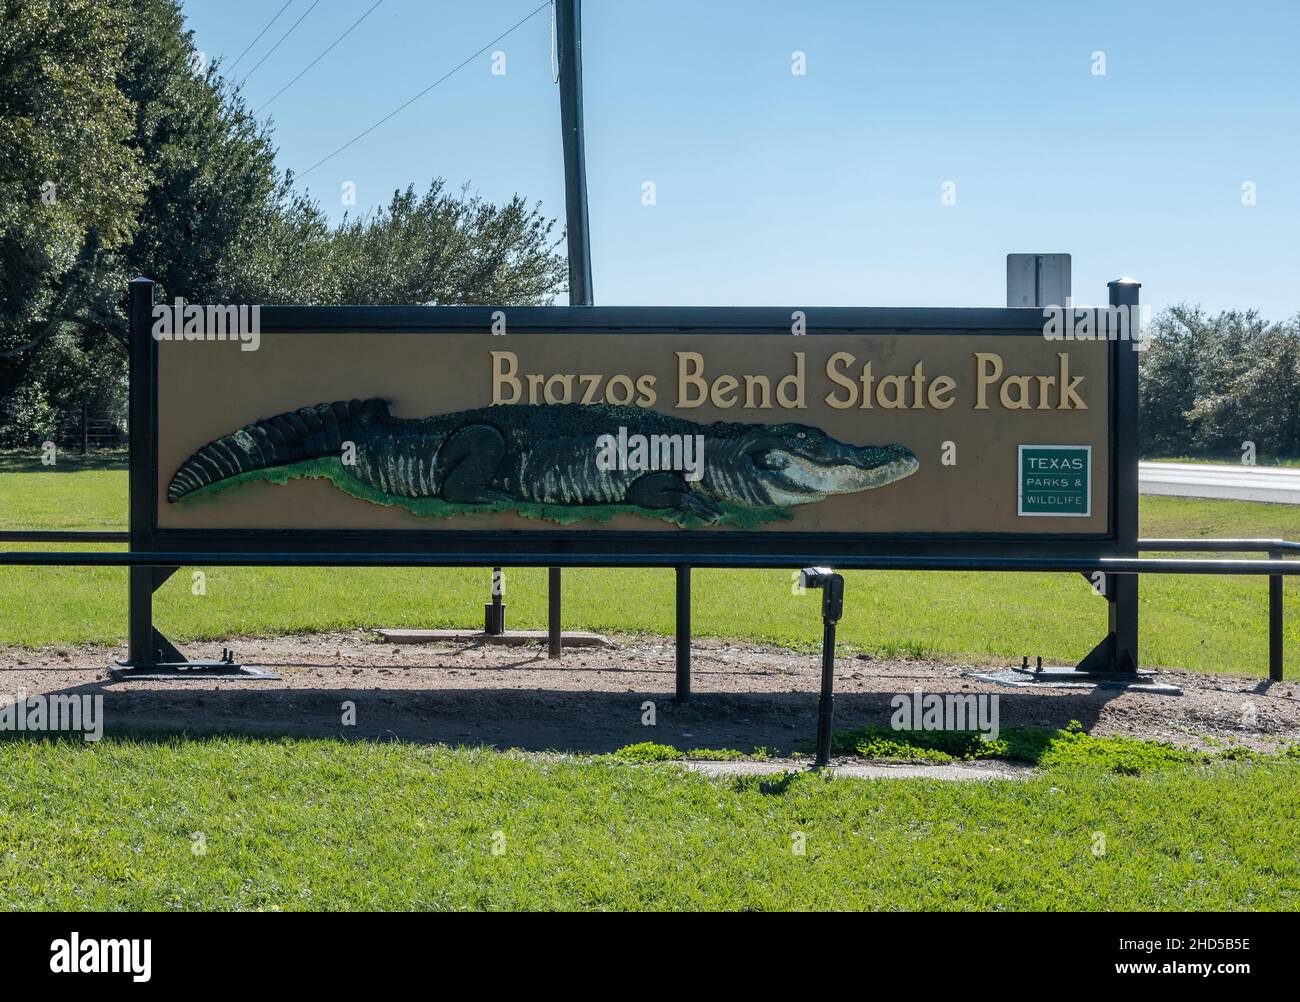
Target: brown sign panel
(682, 435)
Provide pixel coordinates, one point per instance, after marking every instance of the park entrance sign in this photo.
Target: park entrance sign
(698, 435)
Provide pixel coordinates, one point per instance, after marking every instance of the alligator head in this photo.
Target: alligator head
(799, 464)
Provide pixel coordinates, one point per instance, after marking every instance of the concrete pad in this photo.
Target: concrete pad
(902, 770)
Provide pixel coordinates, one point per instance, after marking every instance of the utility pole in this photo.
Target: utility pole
(568, 31)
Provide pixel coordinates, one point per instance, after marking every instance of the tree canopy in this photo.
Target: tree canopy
(1211, 383)
(121, 154)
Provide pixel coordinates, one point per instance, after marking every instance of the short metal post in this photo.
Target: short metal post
(494, 614)
(832, 586)
(683, 633)
(826, 703)
(1275, 622)
(554, 636)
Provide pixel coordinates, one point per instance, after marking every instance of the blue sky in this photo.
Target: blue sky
(825, 189)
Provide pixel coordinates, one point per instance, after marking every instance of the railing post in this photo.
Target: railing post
(1275, 621)
(494, 613)
(554, 632)
(683, 633)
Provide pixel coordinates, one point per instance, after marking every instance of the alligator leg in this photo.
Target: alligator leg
(670, 490)
(471, 457)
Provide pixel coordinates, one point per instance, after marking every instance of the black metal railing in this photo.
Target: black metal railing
(1275, 567)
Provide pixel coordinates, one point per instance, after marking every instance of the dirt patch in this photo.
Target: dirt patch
(744, 696)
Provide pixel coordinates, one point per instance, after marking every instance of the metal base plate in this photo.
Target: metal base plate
(1065, 677)
(182, 670)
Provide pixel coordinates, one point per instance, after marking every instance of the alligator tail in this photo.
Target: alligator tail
(307, 433)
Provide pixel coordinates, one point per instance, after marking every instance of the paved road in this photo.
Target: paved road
(1280, 485)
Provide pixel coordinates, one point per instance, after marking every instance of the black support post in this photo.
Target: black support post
(1275, 669)
(1118, 651)
(683, 633)
(141, 649)
(494, 613)
(149, 653)
(1124, 605)
(554, 634)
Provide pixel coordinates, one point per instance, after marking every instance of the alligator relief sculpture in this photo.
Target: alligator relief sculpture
(541, 460)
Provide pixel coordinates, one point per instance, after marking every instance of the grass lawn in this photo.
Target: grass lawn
(229, 823)
(1207, 623)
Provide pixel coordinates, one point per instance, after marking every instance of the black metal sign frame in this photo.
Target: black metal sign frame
(573, 547)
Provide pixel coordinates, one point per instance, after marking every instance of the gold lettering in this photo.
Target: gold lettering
(564, 381)
(940, 386)
(839, 379)
(621, 381)
(689, 366)
(504, 366)
(1068, 386)
(645, 386)
(760, 383)
(898, 400)
(796, 378)
(723, 392)
(989, 368)
(1021, 403)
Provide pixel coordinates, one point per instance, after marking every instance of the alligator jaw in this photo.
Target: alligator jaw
(806, 480)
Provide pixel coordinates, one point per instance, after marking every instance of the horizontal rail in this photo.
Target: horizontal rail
(1110, 565)
(1146, 545)
(64, 536)
(1151, 545)
(1219, 545)
(109, 536)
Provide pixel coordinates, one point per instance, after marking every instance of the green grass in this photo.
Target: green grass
(651, 751)
(333, 825)
(1205, 623)
(1042, 747)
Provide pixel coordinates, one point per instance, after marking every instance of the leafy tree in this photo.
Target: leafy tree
(441, 248)
(1210, 383)
(70, 182)
(159, 169)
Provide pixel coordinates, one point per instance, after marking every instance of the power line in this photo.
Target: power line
(261, 33)
(277, 44)
(403, 106)
(320, 57)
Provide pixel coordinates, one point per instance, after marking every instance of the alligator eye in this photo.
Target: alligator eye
(801, 435)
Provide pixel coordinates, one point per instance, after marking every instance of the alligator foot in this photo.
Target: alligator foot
(471, 457)
(659, 491)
